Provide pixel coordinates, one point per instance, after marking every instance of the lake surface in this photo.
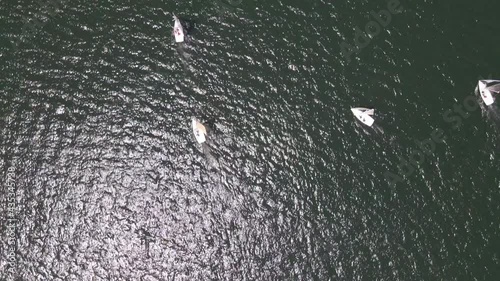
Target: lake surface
(103, 179)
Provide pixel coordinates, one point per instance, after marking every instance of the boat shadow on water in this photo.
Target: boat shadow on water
(188, 25)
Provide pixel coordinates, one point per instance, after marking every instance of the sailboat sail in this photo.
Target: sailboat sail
(201, 128)
(494, 87)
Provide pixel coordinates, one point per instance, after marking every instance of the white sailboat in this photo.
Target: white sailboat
(364, 115)
(485, 91)
(178, 30)
(199, 130)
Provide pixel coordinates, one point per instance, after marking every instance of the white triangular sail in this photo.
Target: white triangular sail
(368, 111)
(488, 81)
(494, 87)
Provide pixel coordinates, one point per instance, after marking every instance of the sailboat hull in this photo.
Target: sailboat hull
(178, 31)
(485, 93)
(199, 130)
(363, 116)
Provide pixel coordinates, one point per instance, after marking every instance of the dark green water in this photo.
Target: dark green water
(103, 179)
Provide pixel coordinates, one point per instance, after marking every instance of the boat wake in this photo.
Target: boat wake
(184, 57)
(378, 129)
(212, 161)
(493, 114)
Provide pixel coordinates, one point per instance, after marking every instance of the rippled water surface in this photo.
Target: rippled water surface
(103, 179)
